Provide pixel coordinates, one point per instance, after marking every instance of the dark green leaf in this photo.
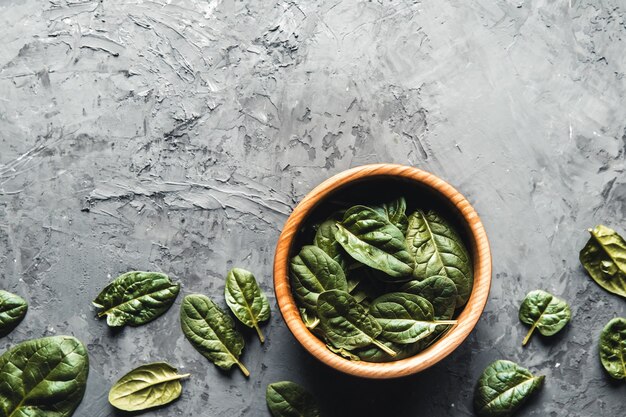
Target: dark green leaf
(439, 290)
(312, 273)
(544, 312)
(502, 388)
(43, 377)
(405, 318)
(12, 311)
(246, 300)
(288, 399)
(604, 258)
(212, 332)
(438, 250)
(613, 348)
(148, 386)
(375, 354)
(135, 298)
(326, 241)
(395, 212)
(371, 239)
(345, 323)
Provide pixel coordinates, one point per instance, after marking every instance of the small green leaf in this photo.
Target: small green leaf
(405, 318)
(604, 258)
(439, 290)
(246, 300)
(502, 388)
(136, 298)
(288, 399)
(312, 273)
(43, 377)
(346, 323)
(212, 332)
(12, 311)
(438, 250)
(613, 348)
(147, 386)
(544, 312)
(370, 238)
(326, 241)
(395, 212)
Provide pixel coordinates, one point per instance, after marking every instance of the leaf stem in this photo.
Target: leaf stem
(386, 349)
(244, 370)
(258, 331)
(530, 333)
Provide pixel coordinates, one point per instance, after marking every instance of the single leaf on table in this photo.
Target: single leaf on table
(439, 290)
(288, 399)
(12, 310)
(370, 238)
(43, 377)
(326, 241)
(544, 312)
(395, 212)
(604, 258)
(136, 297)
(502, 388)
(147, 386)
(405, 318)
(212, 332)
(313, 271)
(438, 250)
(246, 300)
(346, 323)
(613, 348)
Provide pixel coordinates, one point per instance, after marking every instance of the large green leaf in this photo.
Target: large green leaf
(370, 238)
(405, 318)
(439, 290)
(613, 348)
(43, 377)
(147, 386)
(438, 250)
(604, 258)
(136, 297)
(246, 300)
(288, 399)
(326, 241)
(12, 310)
(313, 271)
(346, 323)
(502, 388)
(212, 332)
(395, 212)
(544, 312)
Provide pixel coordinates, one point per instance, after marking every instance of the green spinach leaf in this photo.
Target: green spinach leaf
(439, 290)
(246, 300)
(147, 386)
(212, 332)
(604, 258)
(375, 354)
(313, 271)
(12, 310)
(346, 323)
(438, 250)
(502, 388)
(405, 318)
(613, 348)
(288, 399)
(326, 241)
(309, 318)
(544, 312)
(135, 298)
(43, 377)
(395, 212)
(371, 239)
(344, 353)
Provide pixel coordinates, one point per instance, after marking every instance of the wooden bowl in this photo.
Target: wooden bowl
(426, 190)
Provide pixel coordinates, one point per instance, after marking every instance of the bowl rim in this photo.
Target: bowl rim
(468, 318)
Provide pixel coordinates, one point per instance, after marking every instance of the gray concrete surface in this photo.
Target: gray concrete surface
(178, 135)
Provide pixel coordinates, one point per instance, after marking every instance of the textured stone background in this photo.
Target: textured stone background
(177, 136)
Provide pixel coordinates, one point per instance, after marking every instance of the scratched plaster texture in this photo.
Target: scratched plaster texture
(178, 135)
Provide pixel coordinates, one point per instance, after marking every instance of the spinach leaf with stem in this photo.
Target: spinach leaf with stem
(439, 290)
(544, 312)
(604, 258)
(246, 300)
